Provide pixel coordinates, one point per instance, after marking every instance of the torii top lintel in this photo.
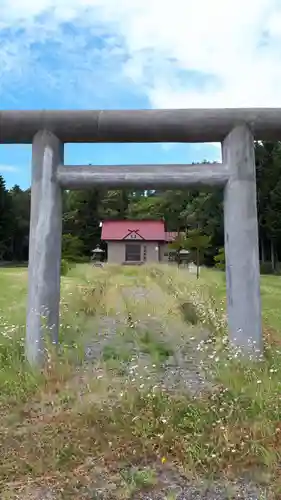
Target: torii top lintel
(169, 125)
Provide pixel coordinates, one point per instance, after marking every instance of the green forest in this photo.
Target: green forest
(182, 211)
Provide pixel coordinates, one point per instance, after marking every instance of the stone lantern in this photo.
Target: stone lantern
(97, 255)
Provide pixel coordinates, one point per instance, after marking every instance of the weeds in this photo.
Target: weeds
(116, 353)
(171, 496)
(92, 297)
(71, 424)
(189, 313)
(139, 478)
(158, 351)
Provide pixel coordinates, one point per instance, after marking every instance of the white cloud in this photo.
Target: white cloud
(8, 168)
(184, 53)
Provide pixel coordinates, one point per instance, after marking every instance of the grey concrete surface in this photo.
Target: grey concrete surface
(142, 176)
(45, 246)
(170, 125)
(241, 241)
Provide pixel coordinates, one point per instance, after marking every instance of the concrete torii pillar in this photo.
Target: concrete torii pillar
(44, 246)
(241, 242)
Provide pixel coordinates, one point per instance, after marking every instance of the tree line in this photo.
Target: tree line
(182, 210)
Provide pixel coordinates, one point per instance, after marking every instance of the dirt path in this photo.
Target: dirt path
(138, 311)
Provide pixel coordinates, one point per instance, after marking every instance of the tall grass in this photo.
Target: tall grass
(59, 426)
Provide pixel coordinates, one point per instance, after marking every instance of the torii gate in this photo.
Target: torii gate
(236, 129)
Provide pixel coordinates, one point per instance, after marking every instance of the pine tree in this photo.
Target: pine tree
(6, 221)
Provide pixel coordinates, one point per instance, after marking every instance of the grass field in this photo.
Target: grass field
(145, 399)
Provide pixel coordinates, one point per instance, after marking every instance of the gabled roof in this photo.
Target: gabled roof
(148, 230)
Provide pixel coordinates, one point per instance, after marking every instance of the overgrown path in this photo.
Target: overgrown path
(138, 319)
(144, 403)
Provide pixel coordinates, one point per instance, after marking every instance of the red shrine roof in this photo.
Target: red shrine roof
(148, 230)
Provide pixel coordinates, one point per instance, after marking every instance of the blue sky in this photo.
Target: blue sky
(104, 54)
